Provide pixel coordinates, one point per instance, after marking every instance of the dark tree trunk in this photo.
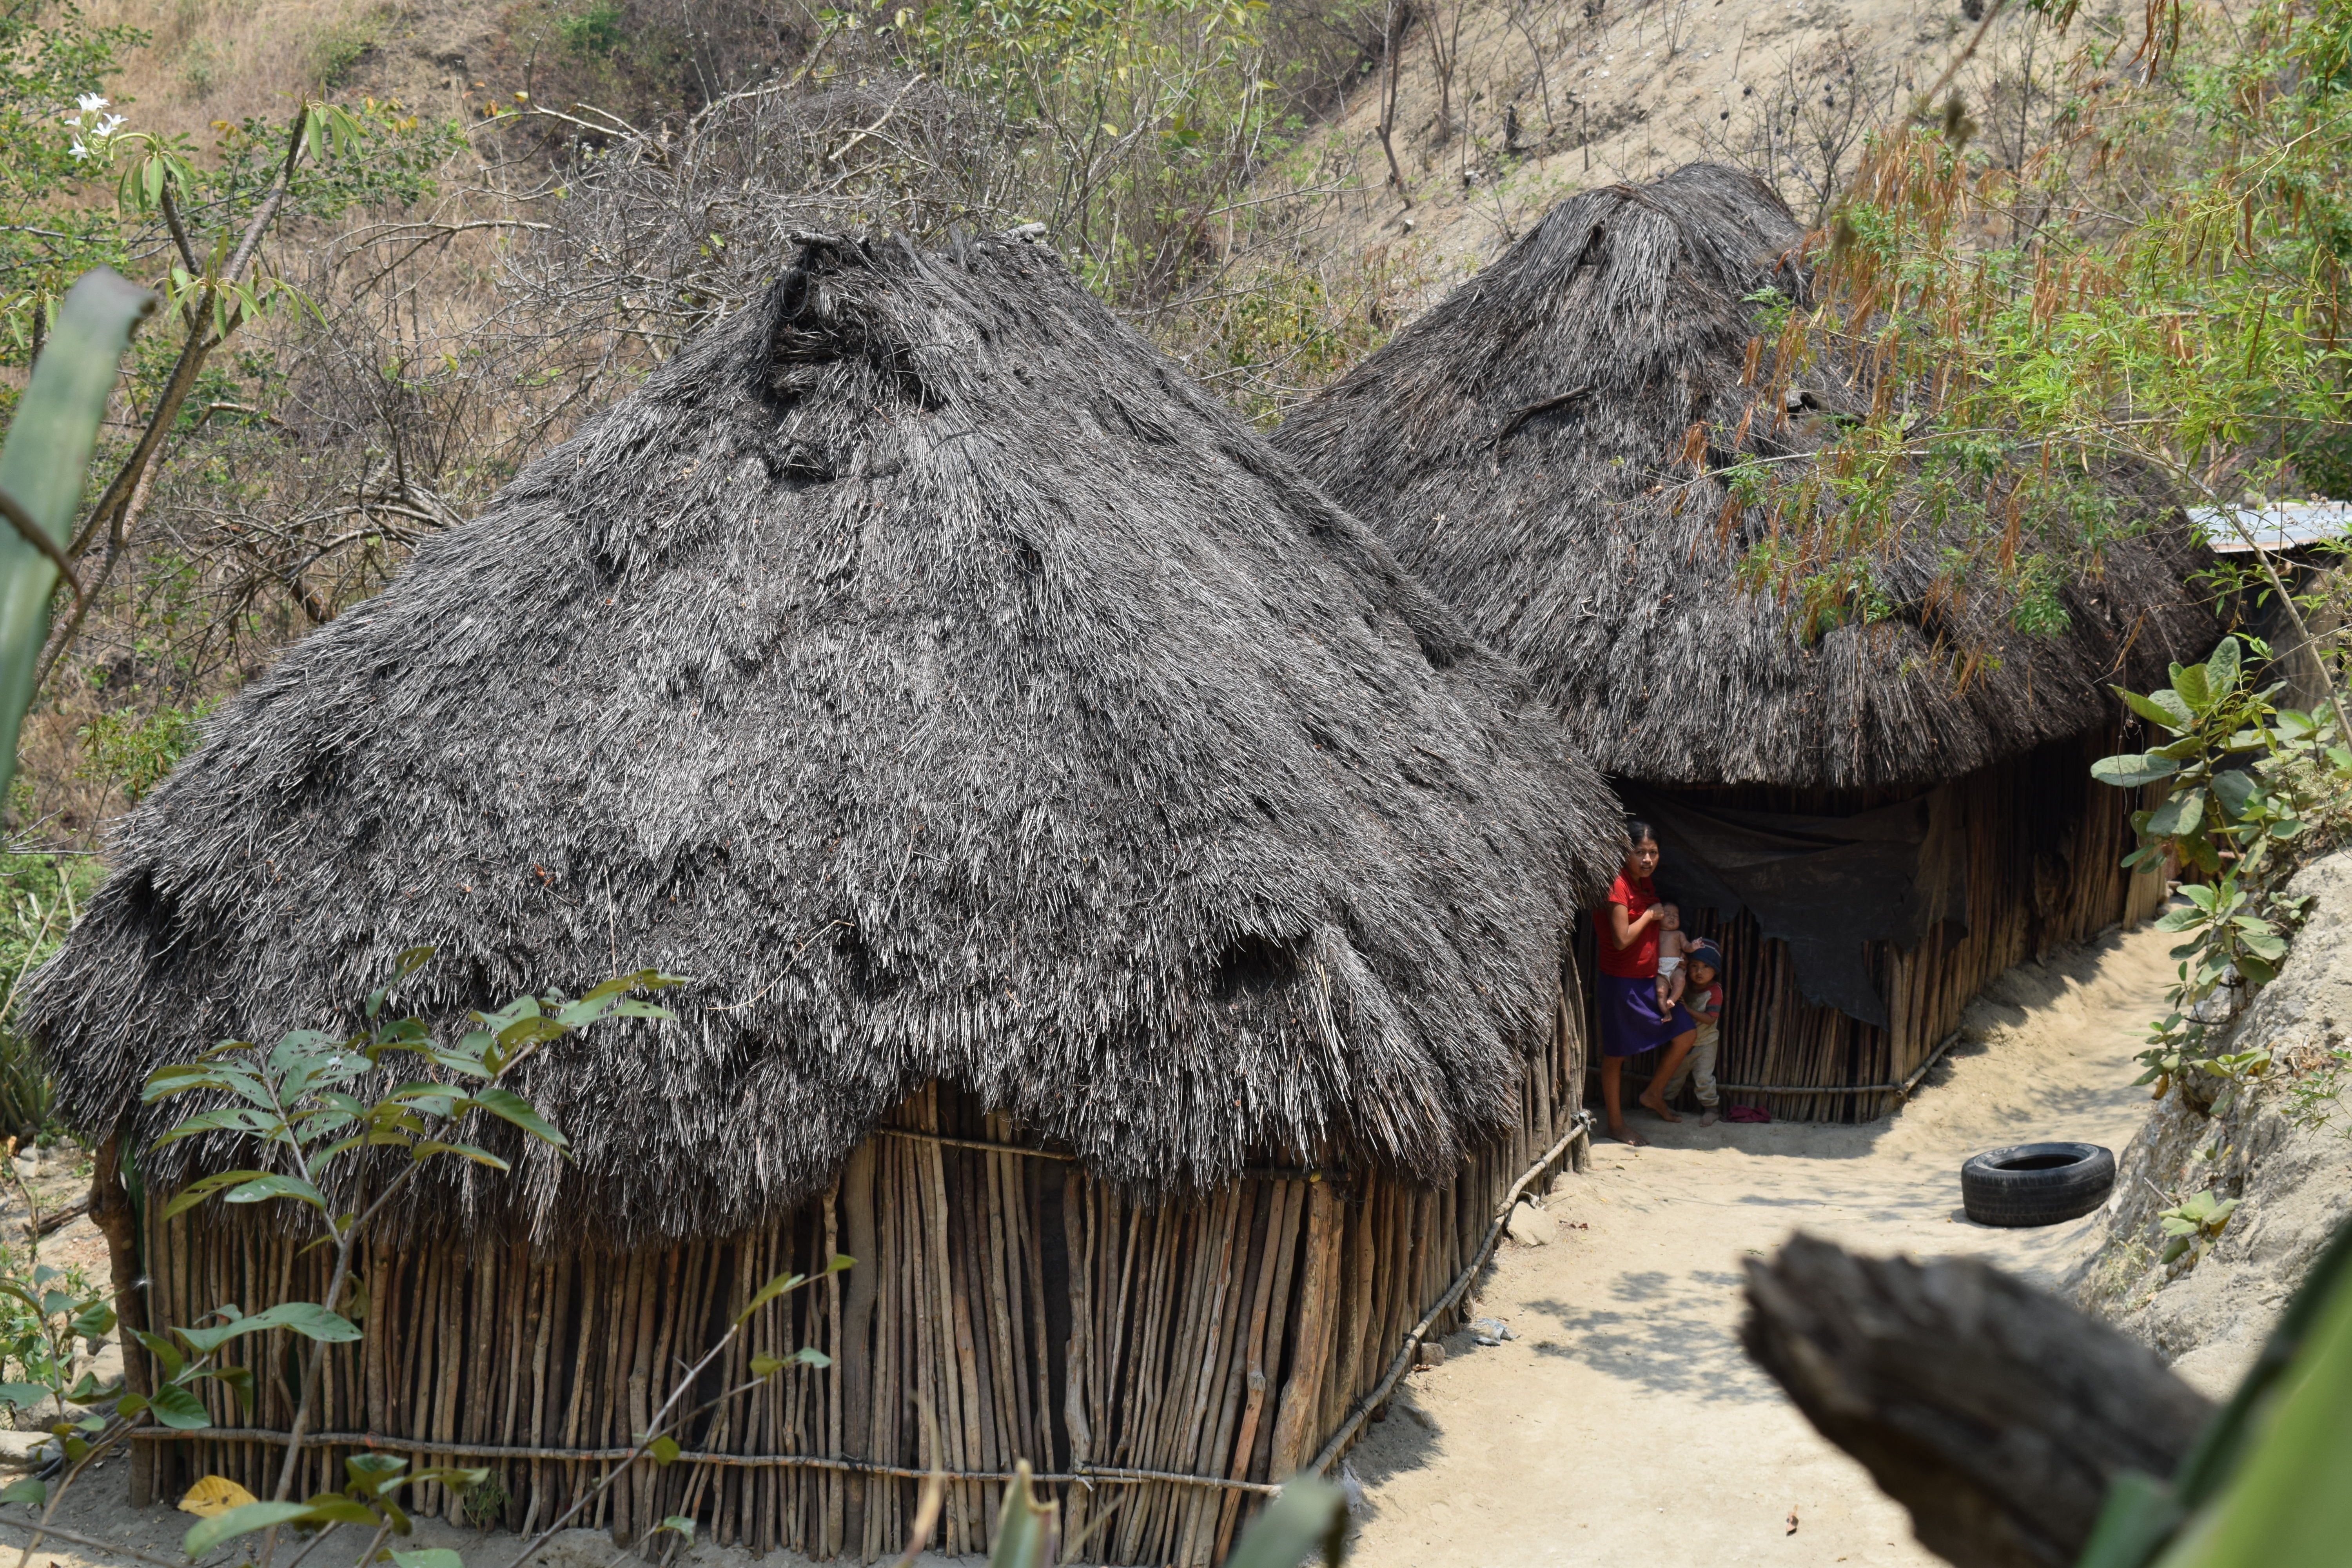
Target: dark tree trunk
(111, 1211)
(1996, 1413)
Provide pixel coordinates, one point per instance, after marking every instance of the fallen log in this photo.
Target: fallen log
(1995, 1411)
(57, 1219)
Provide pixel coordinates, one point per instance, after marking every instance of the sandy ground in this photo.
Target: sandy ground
(1625, 1426)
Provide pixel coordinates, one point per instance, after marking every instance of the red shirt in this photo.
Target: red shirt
(1639, 962)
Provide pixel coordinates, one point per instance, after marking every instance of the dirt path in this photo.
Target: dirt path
(1625, 1426)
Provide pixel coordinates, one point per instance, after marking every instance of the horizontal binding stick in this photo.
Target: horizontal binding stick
(1902, 1088)
(1088, 1476)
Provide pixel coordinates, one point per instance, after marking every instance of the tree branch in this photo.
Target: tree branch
(1997, 1413)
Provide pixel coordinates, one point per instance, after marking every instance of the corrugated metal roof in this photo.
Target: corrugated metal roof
(2282, 526)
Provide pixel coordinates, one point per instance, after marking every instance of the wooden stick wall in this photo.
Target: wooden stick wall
(2043, 842)
(1034, 1312)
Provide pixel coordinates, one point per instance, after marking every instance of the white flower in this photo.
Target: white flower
(90, 104)
(78, 151)
(110, 125)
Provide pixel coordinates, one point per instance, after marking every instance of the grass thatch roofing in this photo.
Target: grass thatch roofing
(928, 668)
(1567, 545)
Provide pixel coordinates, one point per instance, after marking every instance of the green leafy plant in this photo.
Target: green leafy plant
(2194, 1224)
(2244, 782)
(40, 1308)
(324, 1144)
(2262, 1488)
(134, 750)
(1309, 1518)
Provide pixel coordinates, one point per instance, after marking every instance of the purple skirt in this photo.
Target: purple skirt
(1629, 1020)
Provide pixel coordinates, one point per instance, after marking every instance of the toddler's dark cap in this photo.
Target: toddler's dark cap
(1704, 952)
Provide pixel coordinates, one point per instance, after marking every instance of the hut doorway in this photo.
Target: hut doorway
(1849, 963)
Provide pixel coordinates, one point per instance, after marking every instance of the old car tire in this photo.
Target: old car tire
(2036, 1183)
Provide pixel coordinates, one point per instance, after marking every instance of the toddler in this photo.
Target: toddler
(1703, 967)
(1671, 947)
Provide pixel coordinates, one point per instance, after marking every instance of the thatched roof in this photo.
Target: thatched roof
(1567, 543)
(929, 669)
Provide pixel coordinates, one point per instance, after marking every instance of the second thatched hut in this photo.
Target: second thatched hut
(1124, 911)
(1872, 832)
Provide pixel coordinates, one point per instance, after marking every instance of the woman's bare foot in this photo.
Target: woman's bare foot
(1657, 1108)
(1620, 1133)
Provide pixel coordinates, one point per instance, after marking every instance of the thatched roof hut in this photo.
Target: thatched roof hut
(1025, 764)
(1517, 447)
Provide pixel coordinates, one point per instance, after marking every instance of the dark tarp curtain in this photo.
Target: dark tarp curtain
(1823, 885)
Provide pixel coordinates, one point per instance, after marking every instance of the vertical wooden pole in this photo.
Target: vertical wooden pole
(1294, 1421)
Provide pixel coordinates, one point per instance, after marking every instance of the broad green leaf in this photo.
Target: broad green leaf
(480, 1156)
(88, 1390)
(406, 964)
(266, 1187)
(208, 1533)
(770, 1292)
(238, 1380)
(1310, 1516)
(2179, 815)
(2190, 682)
(767, 1366)
(2131, 770)
(643, 980)
(333, 1508)
(226, 1119)
(31, 1491)
(2221, 667)
(45, 464)
(2234, 790)
(163, 1350)
(307, 1319)
(809, 1355)
(511, 1107)
(95, 1321)
(371, 1471)
(678, 1524)
(1025, 1528)
(458, 1476)
(2163, 707)
(22, 1395)
(203, 1187)
(177, 1408)
(664, 1449)
(427, 1557)
(2264, 1481)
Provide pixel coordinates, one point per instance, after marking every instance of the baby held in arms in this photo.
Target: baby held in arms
(1673, 947)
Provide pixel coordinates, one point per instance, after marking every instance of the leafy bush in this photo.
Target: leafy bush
(134, 750)
(2246, 786)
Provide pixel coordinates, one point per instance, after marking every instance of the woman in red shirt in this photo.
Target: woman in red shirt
(1631, 1019)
